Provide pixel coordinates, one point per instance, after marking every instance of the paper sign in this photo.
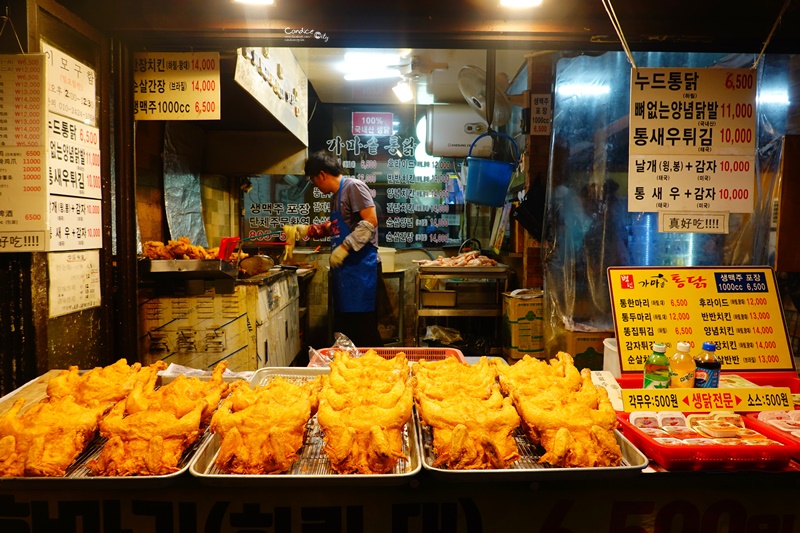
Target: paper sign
(693, 400)
(692, 140)
(74, 281)
(736, 307)
(176, 86)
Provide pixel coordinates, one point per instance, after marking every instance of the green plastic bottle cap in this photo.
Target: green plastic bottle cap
(684, 346)
(659, 347)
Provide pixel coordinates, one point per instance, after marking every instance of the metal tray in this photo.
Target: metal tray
(189, 268)
(312, 468)
(499, 268)
(527, 467)
(78, 473)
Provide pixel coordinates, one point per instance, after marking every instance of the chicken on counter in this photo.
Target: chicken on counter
(564, 411)
(472, 423)
(262, 429)
(365, 404)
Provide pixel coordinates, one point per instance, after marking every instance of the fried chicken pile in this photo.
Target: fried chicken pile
(262, 429)
(364, 406)
(467, 259)
(47, 438)
(149, 431)
(562, 410)
(473, 424)
(180, 249)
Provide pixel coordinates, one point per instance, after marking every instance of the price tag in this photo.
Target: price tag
(176, 86)
(736, 307)
(691, 400)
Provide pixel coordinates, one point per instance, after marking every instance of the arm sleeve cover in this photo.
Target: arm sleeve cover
(360, 236)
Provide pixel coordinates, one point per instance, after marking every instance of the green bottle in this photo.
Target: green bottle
(656, 368)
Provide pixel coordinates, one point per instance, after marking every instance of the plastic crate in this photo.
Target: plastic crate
(714, 457)
(412, 353)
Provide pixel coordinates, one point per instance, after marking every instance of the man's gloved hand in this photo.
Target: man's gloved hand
(338, 256)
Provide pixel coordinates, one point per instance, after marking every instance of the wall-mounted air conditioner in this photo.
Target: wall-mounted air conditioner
(451, 128)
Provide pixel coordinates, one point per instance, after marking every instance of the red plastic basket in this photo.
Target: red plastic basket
(412, 353)
(633, 380)
(714, 457)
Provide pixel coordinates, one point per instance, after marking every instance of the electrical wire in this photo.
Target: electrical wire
(618, 28)
(771, 33)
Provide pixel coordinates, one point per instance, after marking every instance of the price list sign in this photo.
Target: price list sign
(74, 281)
(737, 308)
(23, 186)
(692, 145)
(689, 400)
(176, 86)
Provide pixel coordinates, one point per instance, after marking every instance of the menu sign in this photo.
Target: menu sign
(176, 86)
(738, 308)
(71, 86)
(688, 400)
(692, 145)
(74, 281)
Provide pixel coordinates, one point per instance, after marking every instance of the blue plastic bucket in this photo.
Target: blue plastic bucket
(487, 179)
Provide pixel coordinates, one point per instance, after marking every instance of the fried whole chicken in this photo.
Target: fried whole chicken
(564, 411)
(145, 443)
(472, 423)
(262, 429)
(47, 438)
(149, 431)
(108, 384)
(364, 406)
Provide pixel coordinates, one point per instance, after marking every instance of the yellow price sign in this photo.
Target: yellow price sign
(750, 399)
(737, 308)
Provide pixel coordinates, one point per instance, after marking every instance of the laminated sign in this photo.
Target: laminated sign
(692, 146)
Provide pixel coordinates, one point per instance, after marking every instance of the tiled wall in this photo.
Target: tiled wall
(215, 193)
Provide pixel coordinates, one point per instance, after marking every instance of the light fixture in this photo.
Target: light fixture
(255, 2)
(403, 91)
(520, 4)
(371, 65)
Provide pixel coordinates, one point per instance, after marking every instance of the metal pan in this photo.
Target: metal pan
(312, 468)
(463, 270)
(527, 467)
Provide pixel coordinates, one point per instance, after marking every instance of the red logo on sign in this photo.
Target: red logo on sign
(626, 281)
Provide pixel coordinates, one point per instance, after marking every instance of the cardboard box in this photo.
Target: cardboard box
(523, 323)
(587, 348)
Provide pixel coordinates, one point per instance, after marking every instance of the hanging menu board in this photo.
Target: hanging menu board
(738, 308)
(176, 86)
(74, 194)
(692, 146)
(23, 186)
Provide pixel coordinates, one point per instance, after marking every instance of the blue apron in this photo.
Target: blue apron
(355, 282)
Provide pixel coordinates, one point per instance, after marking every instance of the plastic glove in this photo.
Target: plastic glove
(360, 236)
(338, 255)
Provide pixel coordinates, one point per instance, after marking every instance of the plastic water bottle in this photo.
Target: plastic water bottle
(708, 367)
(656, 368)
(681, 367)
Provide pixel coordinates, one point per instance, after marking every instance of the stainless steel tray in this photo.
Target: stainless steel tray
(463, 270)
(312, 468)
(527, 467)
(189, 268)
(78, 473)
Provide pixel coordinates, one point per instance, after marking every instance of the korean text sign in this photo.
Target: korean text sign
(692, 140)
(736, 307)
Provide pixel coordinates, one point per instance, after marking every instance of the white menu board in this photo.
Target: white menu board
(176, 86)
(692, 144)
(73, 158)
(74, 281)
(71, 86)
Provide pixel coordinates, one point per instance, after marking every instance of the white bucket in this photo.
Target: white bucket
(611, 356)
(387, 258)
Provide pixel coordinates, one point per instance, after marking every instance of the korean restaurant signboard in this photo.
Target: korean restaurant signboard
(372, 123)
(692, 146)
(736, 307)
(50, 195)
(176, 86)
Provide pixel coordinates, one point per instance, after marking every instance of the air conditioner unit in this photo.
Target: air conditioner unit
(451, 128)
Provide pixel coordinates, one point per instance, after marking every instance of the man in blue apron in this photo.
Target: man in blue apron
(354, 249)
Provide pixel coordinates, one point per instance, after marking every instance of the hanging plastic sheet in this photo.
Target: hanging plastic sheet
(587, 226)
